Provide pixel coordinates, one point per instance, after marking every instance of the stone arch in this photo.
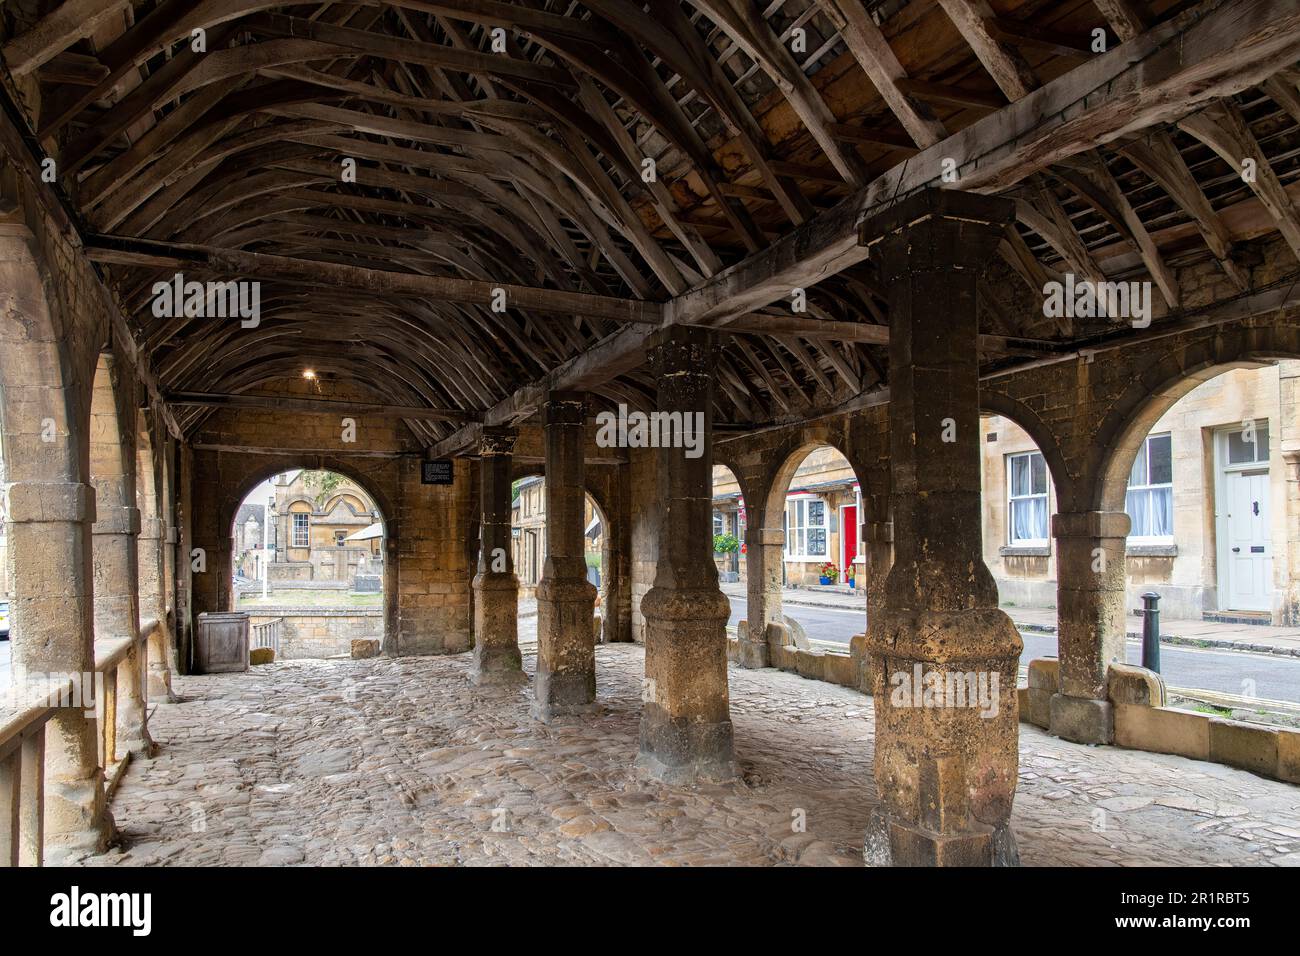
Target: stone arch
(609, 571)
(734, 563)
(116, 551)
(48, 515)
(388, 516)
(1175, 373)
(1020, 414)
(151, 557)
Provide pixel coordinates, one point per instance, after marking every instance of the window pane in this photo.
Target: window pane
(1019, 474)
(1261, 442)
(1039, 469)
(816, 514)
(1160, 458)
(816, 542)
(1151, 511)
(1241, 451)
(1138, 473)
(1029, 519)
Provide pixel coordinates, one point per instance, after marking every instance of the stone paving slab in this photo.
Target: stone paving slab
(402, 761)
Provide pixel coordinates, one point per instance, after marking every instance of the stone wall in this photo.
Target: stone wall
(321, 632)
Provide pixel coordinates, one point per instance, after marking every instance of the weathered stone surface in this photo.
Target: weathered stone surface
(261, 655)
(346, 763)
(364, 647)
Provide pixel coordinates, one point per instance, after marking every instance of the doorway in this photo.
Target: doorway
(1243, 489)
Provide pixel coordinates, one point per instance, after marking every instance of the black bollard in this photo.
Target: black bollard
(1151, 631)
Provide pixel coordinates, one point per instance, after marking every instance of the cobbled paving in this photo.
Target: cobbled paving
(404, 762)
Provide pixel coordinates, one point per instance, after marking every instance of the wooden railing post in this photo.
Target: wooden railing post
(31, 800)
(109, 724)
(10, 794)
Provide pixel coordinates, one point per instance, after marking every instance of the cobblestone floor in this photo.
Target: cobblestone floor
(403, 762)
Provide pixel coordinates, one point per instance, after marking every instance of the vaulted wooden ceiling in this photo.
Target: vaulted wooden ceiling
(616, 163)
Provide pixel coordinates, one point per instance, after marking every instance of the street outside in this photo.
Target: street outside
(1275, 676)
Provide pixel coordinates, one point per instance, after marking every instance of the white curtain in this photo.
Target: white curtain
(1151, 511)
(1029, 519)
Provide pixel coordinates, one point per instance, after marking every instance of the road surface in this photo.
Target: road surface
(1275, 677)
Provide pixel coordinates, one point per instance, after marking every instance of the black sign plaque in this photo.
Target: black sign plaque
(437, 472)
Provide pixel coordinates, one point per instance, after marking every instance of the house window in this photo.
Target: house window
(1027, 499)
(1150, 498)
(1249, 445)
(717, 523)
(805, 533)
(301, 534)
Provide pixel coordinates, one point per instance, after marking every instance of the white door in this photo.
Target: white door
(1249, 561)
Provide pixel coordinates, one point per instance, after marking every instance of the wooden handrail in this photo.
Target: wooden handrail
(22, 777)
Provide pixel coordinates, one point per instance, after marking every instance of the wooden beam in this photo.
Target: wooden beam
(952, 95)
(1040, 38)
(119, 250)
(57, 30)
(974, 20)
(1222, 127)
(873, 53)
(283, 403)
(1171, 69)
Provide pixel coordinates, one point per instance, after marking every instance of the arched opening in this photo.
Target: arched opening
(151, 561)
(47, 549)
(528, 538)
(815, 499)
(729, 523)
(115, 551)
(310, 565)
(1019, 495)
(1202, 468)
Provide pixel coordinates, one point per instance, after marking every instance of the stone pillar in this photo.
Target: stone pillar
(50, 568)
(877, 547)
(117, 608)
(153, 606)
(944, 657)
(496, 589)
(1288, 569)
(566, 600)
(686, 732)
(765, 624)
(1090, 620)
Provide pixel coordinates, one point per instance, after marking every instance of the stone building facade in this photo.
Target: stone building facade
(820, 521)
(1206, 500)
(312, 527)
(528, 534)
(1210, 477)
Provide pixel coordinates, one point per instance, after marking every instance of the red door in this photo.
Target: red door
(848, 538)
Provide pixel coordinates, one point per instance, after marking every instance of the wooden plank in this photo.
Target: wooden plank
(282, 403)
(138, 252)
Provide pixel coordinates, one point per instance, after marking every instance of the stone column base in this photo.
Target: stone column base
(77, 818)
(686, 733)
(1082, 720)
(566, 650)
(946, 737)
(897, 843)
(497, 660)
(160, 686)
(752, 654)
